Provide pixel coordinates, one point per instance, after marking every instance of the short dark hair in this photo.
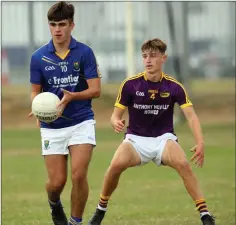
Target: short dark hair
(61, 11)
(154, 44)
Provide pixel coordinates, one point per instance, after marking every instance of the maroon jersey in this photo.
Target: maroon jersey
(151, 104)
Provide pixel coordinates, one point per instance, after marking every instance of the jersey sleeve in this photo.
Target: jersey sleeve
(124, 96)
(90, 65)
(36, 76)
(181, 96)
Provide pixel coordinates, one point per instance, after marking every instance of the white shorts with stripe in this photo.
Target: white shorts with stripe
(56, 141)
(150, 148)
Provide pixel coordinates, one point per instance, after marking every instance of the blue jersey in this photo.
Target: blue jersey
(70, 72)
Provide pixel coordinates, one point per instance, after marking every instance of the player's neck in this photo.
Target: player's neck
(62, 48)
(154, 77)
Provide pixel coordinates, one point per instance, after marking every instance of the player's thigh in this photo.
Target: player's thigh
(81, 155)
(81, 144)
(56, 166)
(125, 156)
(173, 155)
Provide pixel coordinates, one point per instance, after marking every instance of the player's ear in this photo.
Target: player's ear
(164, 58)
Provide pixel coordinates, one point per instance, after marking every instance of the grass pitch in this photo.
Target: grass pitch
(146, 195)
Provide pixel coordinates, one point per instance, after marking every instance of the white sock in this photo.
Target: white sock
(101, 208)
(204, 213)
(72, 221)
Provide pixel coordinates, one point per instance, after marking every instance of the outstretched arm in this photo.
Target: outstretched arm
(195, 127)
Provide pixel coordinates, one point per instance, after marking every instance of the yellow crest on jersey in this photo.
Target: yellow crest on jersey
(76, 65)
(164, 94)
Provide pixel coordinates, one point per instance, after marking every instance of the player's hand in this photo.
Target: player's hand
(198, 155)
(37, 121)
(118, 125)
(67, 97)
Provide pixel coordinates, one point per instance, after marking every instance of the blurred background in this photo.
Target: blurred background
(200, 37)
(201, 54)
(199, 34)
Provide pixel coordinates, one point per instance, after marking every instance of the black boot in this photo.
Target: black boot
(97, 217)
(208, 220)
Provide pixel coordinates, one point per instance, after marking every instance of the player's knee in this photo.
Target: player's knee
(118, 166)
(183, 167)
(78, 176)
(57, 183)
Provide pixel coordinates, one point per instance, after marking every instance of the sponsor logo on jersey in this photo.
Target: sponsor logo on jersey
(153, 91)
(64, 81)
(49, 68)
(164, 94)
(139, 93)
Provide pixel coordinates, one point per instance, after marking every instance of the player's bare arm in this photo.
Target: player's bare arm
(195, 126)
(116, 120)
(35, 90)
(93, 91)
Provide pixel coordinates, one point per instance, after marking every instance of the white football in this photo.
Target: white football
(44, 107)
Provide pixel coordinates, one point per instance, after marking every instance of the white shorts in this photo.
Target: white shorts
(150, 148)
(56, 141)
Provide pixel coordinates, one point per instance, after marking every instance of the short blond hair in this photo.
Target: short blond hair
(155, 45)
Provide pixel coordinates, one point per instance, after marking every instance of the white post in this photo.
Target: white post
(129, 39)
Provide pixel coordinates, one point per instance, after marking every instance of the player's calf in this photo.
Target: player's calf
(174, 156)
(125, 157)
(54, 188)
(80, 158)
(110, 183)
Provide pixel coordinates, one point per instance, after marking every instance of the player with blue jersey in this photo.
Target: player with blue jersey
(150, 98)
(68, 69)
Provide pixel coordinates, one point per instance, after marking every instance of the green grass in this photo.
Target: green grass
(146, 195)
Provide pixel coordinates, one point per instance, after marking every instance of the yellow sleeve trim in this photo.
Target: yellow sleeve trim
(118, 105)
(175, 81)
(123, 83)
(186, 105)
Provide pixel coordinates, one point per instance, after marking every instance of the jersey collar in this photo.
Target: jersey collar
(145, 76)
(51, 47)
